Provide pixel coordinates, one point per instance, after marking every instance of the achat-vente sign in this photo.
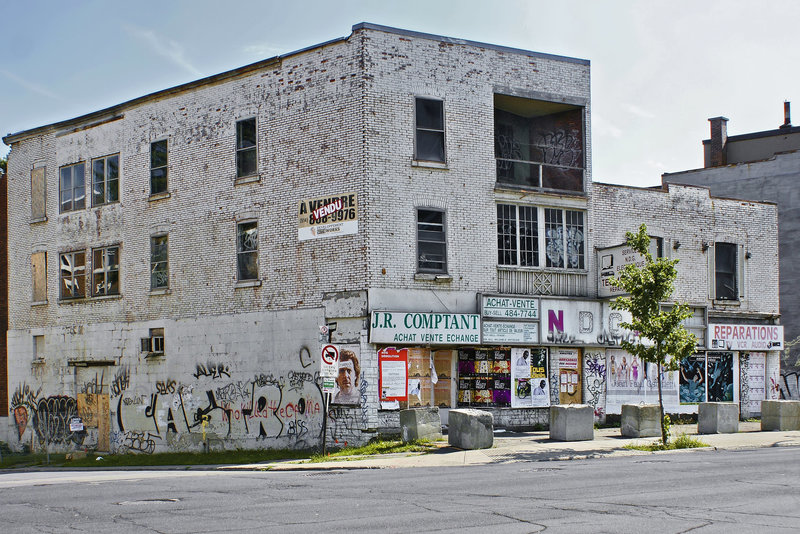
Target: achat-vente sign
(427, 328)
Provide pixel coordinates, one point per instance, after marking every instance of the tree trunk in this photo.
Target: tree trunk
(664, 436)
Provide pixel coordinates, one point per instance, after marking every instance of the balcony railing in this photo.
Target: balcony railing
(526, 282)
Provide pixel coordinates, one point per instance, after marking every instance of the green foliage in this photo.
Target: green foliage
(666, 424)
(683, 441)
(4, 164)
(374, 447)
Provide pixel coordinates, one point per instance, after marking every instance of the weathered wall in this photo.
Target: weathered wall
(254, 375)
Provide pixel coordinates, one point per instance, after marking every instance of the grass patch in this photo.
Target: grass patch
(683, 441)
(379, 446)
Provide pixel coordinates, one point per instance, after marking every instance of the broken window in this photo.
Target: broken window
(38, 194)
(431, 241)
(521, 229)
(430, 130)
(72, 187)
(158, 167)
(246, 155)
(39, 274)
(725, 271)
(73, 275)
(159, 266)
(105, 271)
(247, 250)
(538, 144)
(105, 180)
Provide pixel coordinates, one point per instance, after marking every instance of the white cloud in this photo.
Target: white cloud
(263, 50)
(38, 89)
(639, 112)
(164, 48)
(601, 127)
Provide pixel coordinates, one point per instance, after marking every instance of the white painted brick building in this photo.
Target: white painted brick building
(157, 310)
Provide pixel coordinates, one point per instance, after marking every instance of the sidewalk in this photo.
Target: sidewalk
(537, 446)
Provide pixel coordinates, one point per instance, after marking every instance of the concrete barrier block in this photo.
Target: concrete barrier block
(421, 423)
(640, 420)
(572, 422)
(470, 429)
(717, 418)
(780, 415)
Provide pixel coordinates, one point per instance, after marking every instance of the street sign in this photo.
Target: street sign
(329, 361)
(328, 385)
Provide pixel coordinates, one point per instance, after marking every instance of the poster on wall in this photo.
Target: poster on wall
(348, 379)
(569, 376)
(393, 374)
(753, 380)
(631, 381)
(693, 379)
(521, 378)
(540, 387)
(719, 378)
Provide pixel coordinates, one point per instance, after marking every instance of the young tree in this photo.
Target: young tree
(664, 340)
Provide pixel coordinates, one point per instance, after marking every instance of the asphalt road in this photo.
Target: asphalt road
(702, 491)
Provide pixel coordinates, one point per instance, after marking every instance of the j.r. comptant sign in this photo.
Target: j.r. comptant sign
(427, 328)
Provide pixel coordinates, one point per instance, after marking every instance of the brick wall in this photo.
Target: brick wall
(4, 275)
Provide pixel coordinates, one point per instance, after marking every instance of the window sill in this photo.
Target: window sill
(429, 164)
(433, 277)
(159, 196)
(39, 303)
(39, 220)
(37, 361)
(733, 303)
(554, 270)
(89, 299)
(504, 186)
(247, 179)
(160, 291)
(247, 283)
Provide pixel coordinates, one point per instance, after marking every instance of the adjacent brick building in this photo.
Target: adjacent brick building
(423, 203)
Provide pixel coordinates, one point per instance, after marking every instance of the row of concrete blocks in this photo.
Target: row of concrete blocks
(474, 429)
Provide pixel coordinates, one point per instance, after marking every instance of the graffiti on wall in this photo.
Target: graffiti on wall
(595, 382)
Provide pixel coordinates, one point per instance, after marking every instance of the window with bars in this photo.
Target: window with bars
(431, 241)
(517, 235)
(521, 230)
(72, 187)
(105, 180)
(105, 271)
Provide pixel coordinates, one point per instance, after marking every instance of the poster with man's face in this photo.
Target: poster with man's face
(348, 379)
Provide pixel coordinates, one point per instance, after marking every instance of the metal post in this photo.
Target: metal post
(324, 422)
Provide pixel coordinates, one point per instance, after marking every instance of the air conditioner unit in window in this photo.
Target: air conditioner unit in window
(153, 345)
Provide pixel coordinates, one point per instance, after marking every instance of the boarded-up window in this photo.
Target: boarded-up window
(39, 272)
(38, 193)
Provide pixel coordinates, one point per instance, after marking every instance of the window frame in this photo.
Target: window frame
(164, 167)
(39, 283)
(734, 272)
(241, 151)
(72, 278)
(418, 129)
(106, 180)
(442, 243)
(61, 190)
(154, 262)
(240, 253)
(106, 271)
(541, 259)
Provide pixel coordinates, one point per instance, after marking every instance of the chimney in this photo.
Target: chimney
(719, 138)
(787, 115)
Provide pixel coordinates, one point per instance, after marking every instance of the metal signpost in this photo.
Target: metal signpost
(329, 361)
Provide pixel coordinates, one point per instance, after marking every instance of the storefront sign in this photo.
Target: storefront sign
(327, 216)
(509, 307)
(745, 337)
(394, 374)
(611, 261)
(426, 328)
(510, 333)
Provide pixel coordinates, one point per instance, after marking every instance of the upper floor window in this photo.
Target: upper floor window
(158, 167)
(105, 180)
(247, 250)
(431, 241)
(246, 155)
(73, 274)
(726, 267)
(538, 144)
(105, 271)
(72, 187)
(430, 130)
(528, 236)
(159, 264)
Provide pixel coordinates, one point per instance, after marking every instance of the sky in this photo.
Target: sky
(659, 69)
